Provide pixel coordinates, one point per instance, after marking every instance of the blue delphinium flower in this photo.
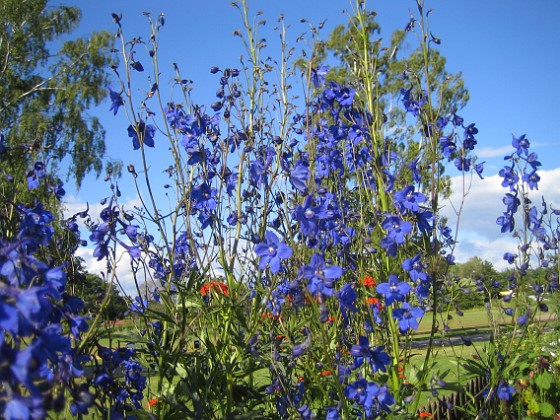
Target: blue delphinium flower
(532, 160)
(532, 179)
(308, 215)
(393, 290)
(299, 175)
(302, 347)
(510, 177)
(35, 175)
(407, 316)
(479, 168)
(414, 268)
(396, 229)
(318, 75)
(415, 169)
(411, 104)
(271, 251)
(377, 358)
(512, 202)
(203, 197)
(347, 298)
(321, 276)
(142, 134)
(463, 163)
(447, 146)
(507, 222)
(345, 96)
(521, 144)
(370, 396)
(505, 391)
(408, 199)
(116, 101)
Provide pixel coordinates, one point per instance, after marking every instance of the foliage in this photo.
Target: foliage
(92, 289)
(302, 247)
(45, 96)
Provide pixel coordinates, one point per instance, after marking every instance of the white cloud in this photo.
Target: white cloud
(74, 205)
(479, 235)
(123, 271)
(490, 152)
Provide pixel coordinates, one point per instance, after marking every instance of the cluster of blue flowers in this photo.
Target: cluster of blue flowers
(40, 323)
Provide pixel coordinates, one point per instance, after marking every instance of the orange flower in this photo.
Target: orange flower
(374, 302)
(325, 373)
(424, 415)
(214, 286)
(151, 403)
(369, 281)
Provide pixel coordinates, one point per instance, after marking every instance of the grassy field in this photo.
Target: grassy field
(446, 362)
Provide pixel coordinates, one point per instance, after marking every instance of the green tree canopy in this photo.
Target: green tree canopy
(44, 96)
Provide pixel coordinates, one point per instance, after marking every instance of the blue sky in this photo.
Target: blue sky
(507, 51)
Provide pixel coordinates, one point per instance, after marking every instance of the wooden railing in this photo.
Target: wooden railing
(460, 405)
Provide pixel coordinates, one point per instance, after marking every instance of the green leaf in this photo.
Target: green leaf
(544, 380)
(547, 409)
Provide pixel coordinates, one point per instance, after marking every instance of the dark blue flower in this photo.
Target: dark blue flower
(408, 199)
(308, 215)
(521, 144)
(411, 104)
(345, 96)
(505, 391)
(408, 317)
(479, 168)
(396, 230)
(301, 348)
(463, 163)
(347, 298)
(318, 75)
(393, 290)
(299, 175)
(424, 219)
(415, 169)
(447, 146)
(522, 319)
(321, 276)
(512, 202)
(510, 177)
(377, 358)
(370, 396)
(203, 197)
(532, 160)
(271, 251)
(509, 257)
(507, 222)
(35, 175)
(532, 179)
(414, 268)
(116, 101)
(142, 134)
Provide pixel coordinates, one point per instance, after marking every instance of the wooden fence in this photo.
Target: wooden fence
(453, 406)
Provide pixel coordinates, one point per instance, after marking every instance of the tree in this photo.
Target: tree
(379, 74)
(93, 290)
(43, 96)
(476, 276)
(44, 99)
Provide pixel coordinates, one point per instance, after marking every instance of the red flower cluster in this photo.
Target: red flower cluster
(374, 302)
(214, 286)
(369, 281)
